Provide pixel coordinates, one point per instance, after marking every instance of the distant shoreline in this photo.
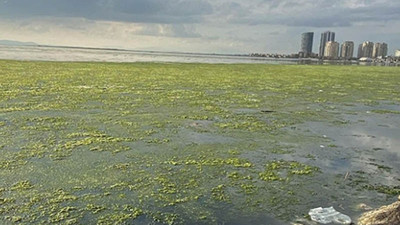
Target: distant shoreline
(89, 54)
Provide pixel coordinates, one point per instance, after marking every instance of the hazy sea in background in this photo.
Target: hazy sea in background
(81, 54)
(46, 53)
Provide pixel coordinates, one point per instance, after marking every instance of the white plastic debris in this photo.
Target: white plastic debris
(328, 215)
(322, 146)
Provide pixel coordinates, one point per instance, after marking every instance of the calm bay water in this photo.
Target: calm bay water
(42, 53)
(76, 54)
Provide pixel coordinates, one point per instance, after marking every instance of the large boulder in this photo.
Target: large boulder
(386, 215)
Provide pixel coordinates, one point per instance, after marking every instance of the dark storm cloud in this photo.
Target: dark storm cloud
(311, 13)
(326, 13)
(28, 8)
(150, 11)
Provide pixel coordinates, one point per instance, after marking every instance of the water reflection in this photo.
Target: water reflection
(372, 145)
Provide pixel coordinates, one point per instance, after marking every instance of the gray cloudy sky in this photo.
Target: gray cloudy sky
(220, 26)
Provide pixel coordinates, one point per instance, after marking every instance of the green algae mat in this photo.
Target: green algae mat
(148, 143)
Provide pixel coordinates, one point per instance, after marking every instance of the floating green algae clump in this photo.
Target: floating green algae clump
(105, 143)
(282, 170)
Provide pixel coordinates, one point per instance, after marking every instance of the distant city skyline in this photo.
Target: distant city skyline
(219, 26)
(330, 49)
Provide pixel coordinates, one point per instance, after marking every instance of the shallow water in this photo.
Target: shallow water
(175, 144)
(363, 150)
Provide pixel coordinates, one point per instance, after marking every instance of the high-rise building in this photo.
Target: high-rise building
(347, 49)
(379, 50)
(368, 48)
(331, 50)
(307, 43)
(397, 53)
(360, 53)
(384, 49)
(365, 49)
(375, 49)
(325, 37)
